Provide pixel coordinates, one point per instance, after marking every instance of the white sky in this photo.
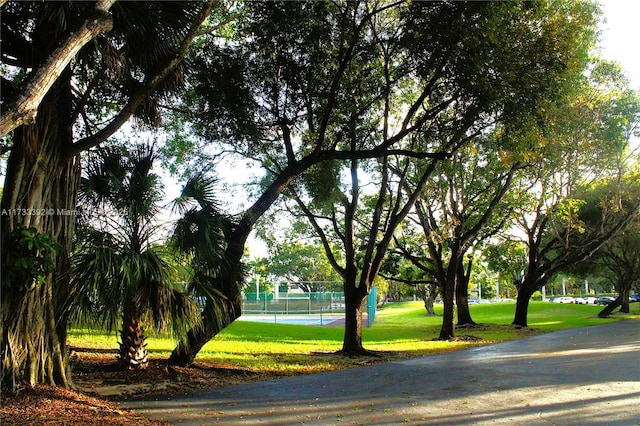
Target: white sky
(620, 36)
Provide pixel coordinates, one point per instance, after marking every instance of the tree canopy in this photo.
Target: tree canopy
(357, 112)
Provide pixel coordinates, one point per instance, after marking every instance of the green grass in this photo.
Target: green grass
(401, 330)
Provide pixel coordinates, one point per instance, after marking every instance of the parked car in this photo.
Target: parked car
(562, 299)
(586, 300)
(604, 300)
(634, 298)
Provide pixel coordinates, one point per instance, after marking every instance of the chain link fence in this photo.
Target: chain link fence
(293, 303)
(289, 299)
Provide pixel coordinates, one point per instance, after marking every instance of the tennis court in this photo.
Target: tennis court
(324, 320)
(313, 319)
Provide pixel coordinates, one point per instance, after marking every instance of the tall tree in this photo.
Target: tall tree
(300, 69)
(120, 271)
(301, 76)
(120, 74)
(456, 212)
(618, 260)
(586, 141)
(360, 225)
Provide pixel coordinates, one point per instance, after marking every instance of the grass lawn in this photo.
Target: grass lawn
(253, 351)
(401, 330)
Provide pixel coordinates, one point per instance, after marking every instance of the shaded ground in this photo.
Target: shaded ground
(47, 405)
(101, 386)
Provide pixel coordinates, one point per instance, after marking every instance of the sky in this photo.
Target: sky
(620, 38)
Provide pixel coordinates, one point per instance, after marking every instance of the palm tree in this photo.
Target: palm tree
(201, 235)
(119, 268)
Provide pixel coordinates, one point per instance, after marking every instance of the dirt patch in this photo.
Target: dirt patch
(100, 385)
(46, 405)
(95, 375)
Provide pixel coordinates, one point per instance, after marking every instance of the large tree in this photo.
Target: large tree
(587, 141)
(356, 227)
(456, 212)
(288, 82)
(291, 89)
(618, 260)
(119, 74)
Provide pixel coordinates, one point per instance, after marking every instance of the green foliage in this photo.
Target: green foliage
(508, 258)
(322, 183)
(118, 262)
(32, 257)
(605, 203)
(201, 237)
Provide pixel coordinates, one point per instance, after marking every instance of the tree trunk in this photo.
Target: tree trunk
(215, 317)
(448, 329)
(39, 193)
(428, 295)
(612, 307)
(522, 305)
(211, 324)
(462, 294)
(354, 301)
(624, 296)
(133, 349)
(462, 303)
(24, 109)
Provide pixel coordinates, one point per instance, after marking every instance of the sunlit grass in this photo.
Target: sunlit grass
(401, 330)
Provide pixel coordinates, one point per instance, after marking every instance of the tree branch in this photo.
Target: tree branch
(25, 108)
(148, 86)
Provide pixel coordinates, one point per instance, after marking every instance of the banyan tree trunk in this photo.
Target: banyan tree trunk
(38, 205)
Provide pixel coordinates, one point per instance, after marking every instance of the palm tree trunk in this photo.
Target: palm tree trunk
(133, 349)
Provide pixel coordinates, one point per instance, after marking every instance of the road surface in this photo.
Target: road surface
(585, 376)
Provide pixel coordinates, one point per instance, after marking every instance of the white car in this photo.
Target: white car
(563, 299)
(586, 300)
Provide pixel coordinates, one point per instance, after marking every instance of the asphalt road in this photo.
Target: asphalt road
(586, 376)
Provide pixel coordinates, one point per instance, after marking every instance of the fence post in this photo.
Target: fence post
(372, 304)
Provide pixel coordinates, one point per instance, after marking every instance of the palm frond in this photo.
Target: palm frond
(199, 190)
(117, 263)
